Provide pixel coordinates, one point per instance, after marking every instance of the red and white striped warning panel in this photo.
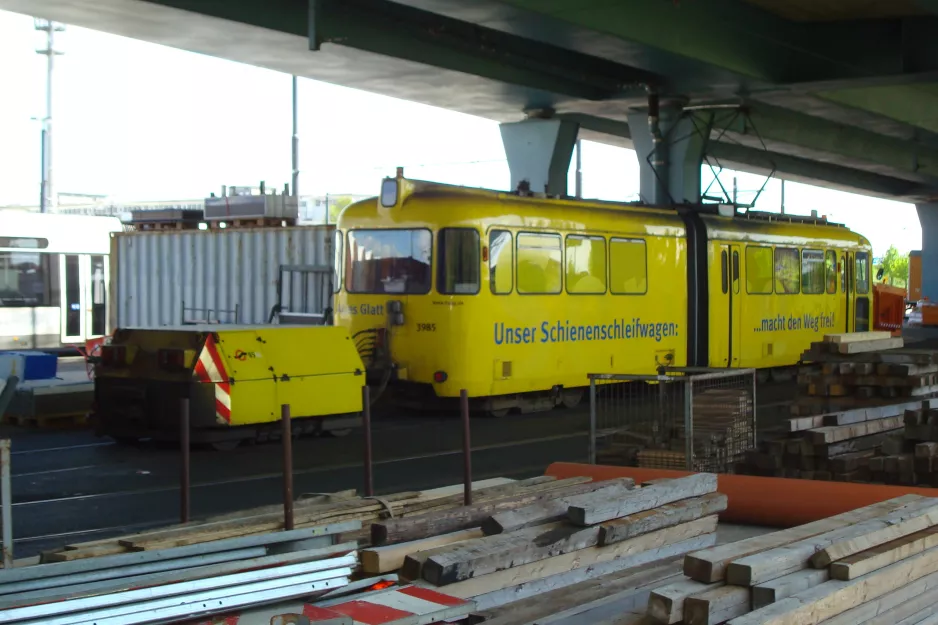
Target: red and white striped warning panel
(409, 605)
(210, 369)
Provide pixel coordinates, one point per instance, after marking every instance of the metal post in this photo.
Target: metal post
(6, 502)
(366, 419)
(184, 448)
(592, 442)
(287, 437)
(466, 447)
(296, 146)
(689, 423)
(783, 197)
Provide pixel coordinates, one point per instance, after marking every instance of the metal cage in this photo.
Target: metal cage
(697, 419)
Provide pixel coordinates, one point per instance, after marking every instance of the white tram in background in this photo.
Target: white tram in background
(54, 275)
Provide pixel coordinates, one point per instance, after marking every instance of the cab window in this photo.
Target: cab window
(501, 261)
(812, 272)
(863, 273)
(628, 271)
(539, 263)
(758, 270)
(787, 271)
(830, 268)
(389, 261)
(586, 264)
(459, 267)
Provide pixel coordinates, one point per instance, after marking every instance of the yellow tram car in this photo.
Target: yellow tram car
(516, 298)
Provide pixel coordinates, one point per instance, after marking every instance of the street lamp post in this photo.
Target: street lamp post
(47, 193)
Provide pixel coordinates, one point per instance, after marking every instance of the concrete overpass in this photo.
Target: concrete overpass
(841, 93)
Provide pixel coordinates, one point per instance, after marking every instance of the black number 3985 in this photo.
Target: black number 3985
(426, 327)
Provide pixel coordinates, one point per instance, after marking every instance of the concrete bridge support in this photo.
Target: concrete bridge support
(670, 144)
(928, 217)
(539, 152)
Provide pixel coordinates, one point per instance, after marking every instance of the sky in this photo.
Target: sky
(137, 121)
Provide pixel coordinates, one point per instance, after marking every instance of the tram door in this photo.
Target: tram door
(727, 310)
(846, 288)
(83, 292)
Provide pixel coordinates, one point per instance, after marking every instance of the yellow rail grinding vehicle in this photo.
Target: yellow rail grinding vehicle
(236, 379)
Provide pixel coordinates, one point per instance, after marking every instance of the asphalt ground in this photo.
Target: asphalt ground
(69, 486)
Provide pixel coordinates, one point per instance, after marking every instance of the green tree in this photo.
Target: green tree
(895, 267)
(336, 205)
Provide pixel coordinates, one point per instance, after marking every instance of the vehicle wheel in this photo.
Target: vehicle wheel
(571, 399)
(229, 445)
(340, 433)
(498, 414)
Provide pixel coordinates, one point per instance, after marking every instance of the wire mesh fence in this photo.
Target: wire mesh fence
(684, 418)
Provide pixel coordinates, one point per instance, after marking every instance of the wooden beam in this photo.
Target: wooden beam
(892, 527)
(694, 485)
(666, 604)
(377, 560)
(555, 509)
(507, 593)
(710, 565)
(787, 585)
(717, 605)
(465, 517)
(834, 597)
(859, 347)
(853, 337)
(583, 558)
(667, 515)
(760, 567)
(883, 555)
(502, 551)
(838, 433)
(578, 598)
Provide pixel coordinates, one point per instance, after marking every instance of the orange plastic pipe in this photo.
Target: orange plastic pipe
(771, 501)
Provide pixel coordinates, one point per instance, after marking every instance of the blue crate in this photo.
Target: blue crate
(28, 365)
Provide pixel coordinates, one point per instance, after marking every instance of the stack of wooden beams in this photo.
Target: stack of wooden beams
(852, 370)
(596, 536)
(324, 509)
(840, 446)
(876, 565)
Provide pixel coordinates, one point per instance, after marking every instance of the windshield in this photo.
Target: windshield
(388, 261)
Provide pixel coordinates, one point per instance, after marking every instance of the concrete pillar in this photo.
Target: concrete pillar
(670, 145)
(539, 152)
(928, 218)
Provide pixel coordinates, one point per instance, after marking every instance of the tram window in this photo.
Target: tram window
(337, 262)
(812, 271)
(735, 271)
(388, 261)
(586, 264)
(501, 261)
(539, 263)
(863, 273)
(759, 272)
(27, 279)
(724, 271)
(628, 273)
(830, 267)
(459, 268)
(787, 271)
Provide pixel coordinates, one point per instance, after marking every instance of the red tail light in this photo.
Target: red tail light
(171, 358)
(439, 377)
(113, 355)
